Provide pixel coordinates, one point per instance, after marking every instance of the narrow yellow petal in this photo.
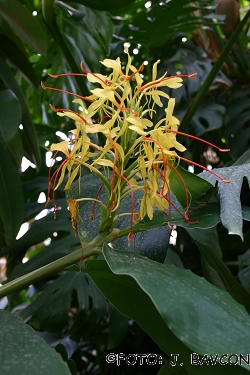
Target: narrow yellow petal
(137, 130)
(97, 78)
(61, 146)
(105, 163)
(154, 70)
(106, 94)
(113, 64)
(173, 83)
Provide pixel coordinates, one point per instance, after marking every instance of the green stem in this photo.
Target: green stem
(232, 66)
(91, 249)
(202, 92)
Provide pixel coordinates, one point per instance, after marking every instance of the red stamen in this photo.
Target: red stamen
(156, 82)
(93, 74)
(68, 110)
(185, 215)
(92, 216)
(67, 74)
(124, 108)
(54, 209)
(199, 139)
(66, 92)
(127, 78)
(100, 118)
(200, 166)
(52, 184)
(192, 75)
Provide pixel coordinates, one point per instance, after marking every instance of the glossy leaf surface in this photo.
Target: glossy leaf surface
(23, 352)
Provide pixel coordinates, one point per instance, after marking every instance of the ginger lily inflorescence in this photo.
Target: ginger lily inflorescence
(137, 154)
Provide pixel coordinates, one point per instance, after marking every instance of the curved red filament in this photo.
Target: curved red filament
(198, 139)
(66, 92)
(92, 215)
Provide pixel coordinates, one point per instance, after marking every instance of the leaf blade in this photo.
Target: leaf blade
(11, 197)
(24, 25)
(30, 350)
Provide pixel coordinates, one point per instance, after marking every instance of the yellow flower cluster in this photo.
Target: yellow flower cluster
(138, 154)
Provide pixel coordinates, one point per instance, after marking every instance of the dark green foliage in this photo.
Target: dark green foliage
(146, 296)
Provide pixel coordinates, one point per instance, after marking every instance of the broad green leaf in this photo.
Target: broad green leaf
(234, 288)
(182, 312)
(23, 352)
(151, 243)
(193, 184)
(229, 193)
(50, 310)
(128, 297)
(10, 115)
(11, 197)
(24, 24)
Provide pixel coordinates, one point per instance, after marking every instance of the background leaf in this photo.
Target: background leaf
(50, 309)
(23, 352)
(233, 287)
(208, 118)
(11, 197)
(194, 185)
(24, 24)
(229, 193)
(10, 115)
